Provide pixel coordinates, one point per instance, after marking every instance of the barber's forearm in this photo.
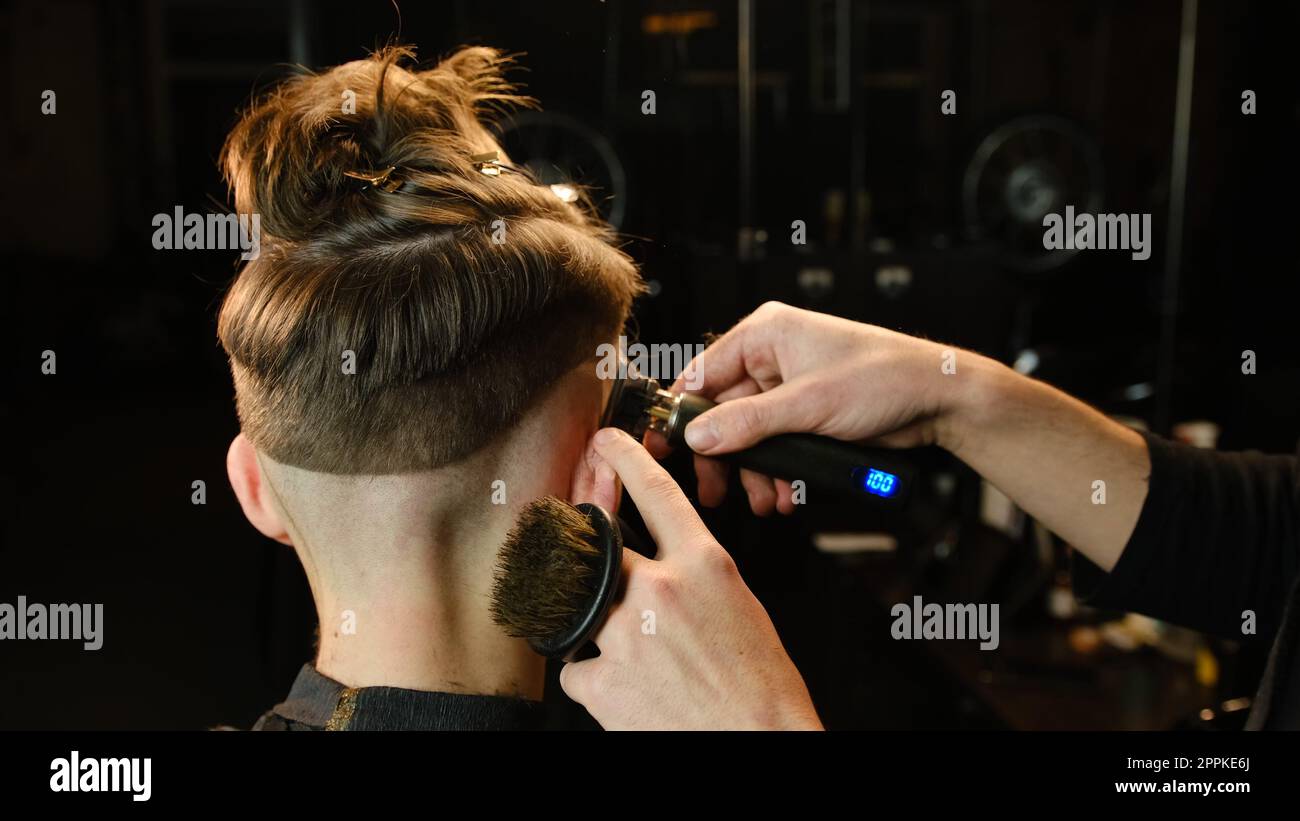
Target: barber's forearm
(1046, 450)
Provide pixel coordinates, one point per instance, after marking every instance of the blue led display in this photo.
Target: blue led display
(879, 483)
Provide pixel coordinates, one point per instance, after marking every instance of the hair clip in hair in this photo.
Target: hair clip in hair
(383, 180)
(489, 163)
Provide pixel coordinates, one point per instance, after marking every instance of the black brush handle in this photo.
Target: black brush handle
(820, 461)
(575, 643)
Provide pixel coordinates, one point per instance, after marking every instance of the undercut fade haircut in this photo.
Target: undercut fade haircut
(454, 335)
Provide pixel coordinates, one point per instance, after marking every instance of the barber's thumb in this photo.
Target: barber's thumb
(735, 424)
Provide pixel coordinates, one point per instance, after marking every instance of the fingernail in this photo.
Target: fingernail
(605, 436)
(701, 435)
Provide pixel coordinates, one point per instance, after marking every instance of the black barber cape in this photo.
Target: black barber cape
(317, 702)
(1219, 535)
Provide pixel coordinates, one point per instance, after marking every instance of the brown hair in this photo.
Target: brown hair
(454, 335)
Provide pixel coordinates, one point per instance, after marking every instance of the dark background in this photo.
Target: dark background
(206, 622)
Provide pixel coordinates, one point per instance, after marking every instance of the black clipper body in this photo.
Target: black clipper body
(638, 404)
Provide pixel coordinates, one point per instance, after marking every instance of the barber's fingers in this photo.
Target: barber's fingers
(784, 497)
(672, 522)
(765, 493)
(711, 475)
(580, 680)
(711, 480)
(747, 350)
(594, 481)
(743, 422)
(657, 444)
(761, 491)
(745, 387)
(712, 484)
(622, 621)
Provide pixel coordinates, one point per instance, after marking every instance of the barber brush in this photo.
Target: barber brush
(556, 575)
(638, 403)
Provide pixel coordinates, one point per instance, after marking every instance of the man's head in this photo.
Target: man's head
(413, 361)
(388, 332)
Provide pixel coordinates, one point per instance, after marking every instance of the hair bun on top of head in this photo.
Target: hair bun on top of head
(301, 152)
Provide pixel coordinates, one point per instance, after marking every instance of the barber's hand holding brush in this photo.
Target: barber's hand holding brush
(714, 660)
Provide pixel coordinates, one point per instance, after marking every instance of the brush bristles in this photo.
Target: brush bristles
(547, 570)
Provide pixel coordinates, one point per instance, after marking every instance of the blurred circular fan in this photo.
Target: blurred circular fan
(1021, 171)
(559, 150)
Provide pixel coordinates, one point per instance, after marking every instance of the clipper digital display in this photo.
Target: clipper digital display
(876, 482)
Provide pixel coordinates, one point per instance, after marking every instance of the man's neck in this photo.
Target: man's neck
(401, 567)
(407, 630)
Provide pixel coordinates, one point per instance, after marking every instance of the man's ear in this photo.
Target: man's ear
(252, 490)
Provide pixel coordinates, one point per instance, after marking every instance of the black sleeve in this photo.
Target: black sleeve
(1219, 534)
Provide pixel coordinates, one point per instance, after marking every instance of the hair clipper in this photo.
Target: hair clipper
(638, 404)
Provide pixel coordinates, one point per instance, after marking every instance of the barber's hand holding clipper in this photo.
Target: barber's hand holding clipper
(784, 369)
(716, 660)
(713, 660)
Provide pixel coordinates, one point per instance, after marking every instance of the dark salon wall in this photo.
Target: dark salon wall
(206, 622)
